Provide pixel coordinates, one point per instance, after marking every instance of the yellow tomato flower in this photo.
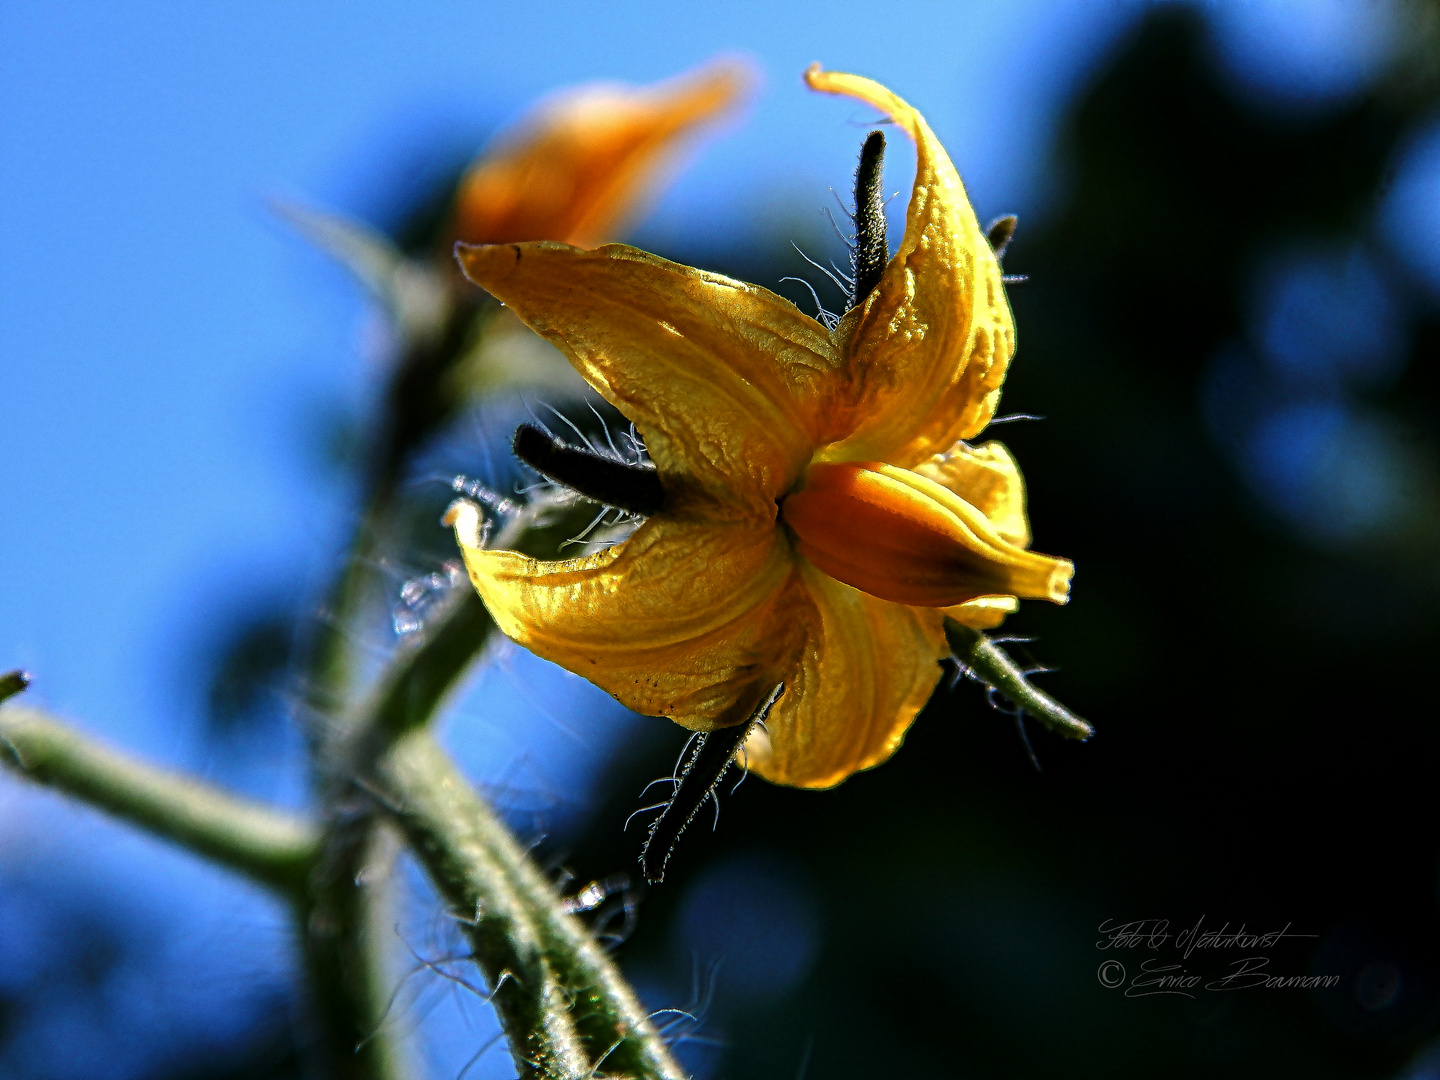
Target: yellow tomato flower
(822, 512)
(575, 169)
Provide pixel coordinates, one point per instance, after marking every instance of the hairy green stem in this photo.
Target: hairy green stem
(564, 1006)
(345, 961)
(608, 1019)
(993, 666)
(349, 992)
(267, 846)
(423, 673)
(454, 834)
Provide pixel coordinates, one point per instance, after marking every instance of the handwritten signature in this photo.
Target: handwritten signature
(1250, 973)
(1155, 933)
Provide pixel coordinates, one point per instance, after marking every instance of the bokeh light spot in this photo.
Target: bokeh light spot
(1410, 216)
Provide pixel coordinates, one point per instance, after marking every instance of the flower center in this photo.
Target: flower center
(899, 536)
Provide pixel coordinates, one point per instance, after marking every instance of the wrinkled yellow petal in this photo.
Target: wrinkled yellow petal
(988, 479)
(576, 169)
(867, 668)
(673, 622)
(929, 347)
(727, 382)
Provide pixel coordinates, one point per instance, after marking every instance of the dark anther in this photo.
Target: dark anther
(1000, 233)
(871, 252)
(622, 484)
(706, 767)
(12, 682)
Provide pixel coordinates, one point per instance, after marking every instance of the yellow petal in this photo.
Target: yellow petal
(575, 170)
(983, 613)
(727, 382)
(673, 622)
(867, 669)
(929, 347)
(988, 479)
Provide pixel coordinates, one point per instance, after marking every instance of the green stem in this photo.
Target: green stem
(345, 954)
(453, 833)
(11, 683)
(425, 669)
(564, 1006)
(271, 848)
(422, 673)
(344, 959)
(265, 845)
(381, 914)
(328, 667)
(993, 666)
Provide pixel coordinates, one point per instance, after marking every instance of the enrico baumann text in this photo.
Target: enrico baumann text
(1154, 975)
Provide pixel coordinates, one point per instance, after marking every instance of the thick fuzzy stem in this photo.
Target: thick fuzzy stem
(563, 1005)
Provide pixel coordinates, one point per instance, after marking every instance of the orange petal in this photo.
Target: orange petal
(866, 669)
(575, 170)
(676, 621)
(929, 347)
(727, 382)
(901, 537)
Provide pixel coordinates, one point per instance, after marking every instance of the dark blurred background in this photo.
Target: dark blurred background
(1231, 331)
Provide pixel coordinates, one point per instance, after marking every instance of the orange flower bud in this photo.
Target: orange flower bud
(575, 171)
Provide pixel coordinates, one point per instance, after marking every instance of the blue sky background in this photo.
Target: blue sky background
(165, 344)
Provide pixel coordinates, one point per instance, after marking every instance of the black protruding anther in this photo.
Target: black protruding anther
(12, 682)
(1000, 233)
(706, 767)
(622, 484)
(871, 252)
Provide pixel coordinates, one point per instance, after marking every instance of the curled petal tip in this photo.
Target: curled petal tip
(820, 80)
(729, 80)
(487, 264)
(827, 82)
(464, 517)
(1058, 591)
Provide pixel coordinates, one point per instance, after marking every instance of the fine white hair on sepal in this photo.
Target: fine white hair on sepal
(477, 492)
(420, 595)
